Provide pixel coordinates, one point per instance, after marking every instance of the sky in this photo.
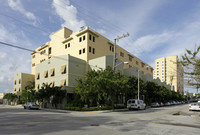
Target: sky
(157, 28)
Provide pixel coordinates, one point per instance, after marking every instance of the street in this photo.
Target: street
(154, 121)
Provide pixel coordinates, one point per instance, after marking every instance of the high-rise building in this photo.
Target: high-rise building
(68, 56)
(169, 70)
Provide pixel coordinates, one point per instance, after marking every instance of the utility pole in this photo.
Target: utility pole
(115, 40)
(138, 84)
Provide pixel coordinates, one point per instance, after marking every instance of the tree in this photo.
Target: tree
(10, 97)
(102, 85)
(191, 62)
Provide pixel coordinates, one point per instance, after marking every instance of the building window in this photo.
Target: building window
(33, 56)
(130, 58)
(79, 52)
(80, 39)
(19, 81)
(157, 62)
(37, 86)
(142, 72)
(52, 84)
(46, 74)
(15, 82)
(33, 65)
(136, 62)
(90, 49)
(52, 72)
(63, 69)
(43, 52)
(63, 82)
(19, 89)
(122, 54)
(142, 64)
(15, 89)
(83, 37)
(84, 50)
(50, 50)
(68, 45)
(93, 39)
(93, 50)
(38, 76)
(90, 37)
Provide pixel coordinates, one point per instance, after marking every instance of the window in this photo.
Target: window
(50, 50)
(19, 81)
(90, 49)
(15, 82)
(79, 52)
(33, 56)
(93, 50)
(90, 37)
(93, 39)
(63, 82)
(38, 76)
(142, 64)
(84, 50)
(52, 84)
(33, 64)
(110, 48)
(37, 86)
(68, 45)
(136, 62)
(83, 37)
(122, 54)
(46, 74)
(80, 39)
(52, 72)
(43, 52)
(63, 69)
(15, 89)
(130, 58)
(19, 89)
(157, 62)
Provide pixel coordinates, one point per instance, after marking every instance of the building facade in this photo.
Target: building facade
(169, 70)
(21, 80)
(68, 56)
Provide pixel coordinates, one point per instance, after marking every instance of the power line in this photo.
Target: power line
(19, 47)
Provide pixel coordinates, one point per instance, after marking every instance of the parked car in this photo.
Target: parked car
(31, 105)
(194, 106)
(155, 104)
(135, 104)
(161, 104)
(167, 104)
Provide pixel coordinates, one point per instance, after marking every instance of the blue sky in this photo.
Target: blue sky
(158, 28)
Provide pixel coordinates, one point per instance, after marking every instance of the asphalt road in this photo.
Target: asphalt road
(173, 120)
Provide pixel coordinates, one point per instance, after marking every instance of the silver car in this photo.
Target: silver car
(31, 105)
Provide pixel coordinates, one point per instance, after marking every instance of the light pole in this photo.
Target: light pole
(115, 40)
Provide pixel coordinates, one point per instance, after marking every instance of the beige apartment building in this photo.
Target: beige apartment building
(170, 71)
(68, 56)
(21, 80)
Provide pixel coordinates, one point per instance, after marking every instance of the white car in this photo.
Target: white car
(194, 106)
(135, 104)
(31, 105)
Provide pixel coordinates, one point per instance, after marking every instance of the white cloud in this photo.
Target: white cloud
(68, 13)
(18, 6)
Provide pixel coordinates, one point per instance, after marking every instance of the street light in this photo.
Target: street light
(126, 62)
(139, 83)
(115, 40)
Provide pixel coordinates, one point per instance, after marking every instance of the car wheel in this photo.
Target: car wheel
(24, 107)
